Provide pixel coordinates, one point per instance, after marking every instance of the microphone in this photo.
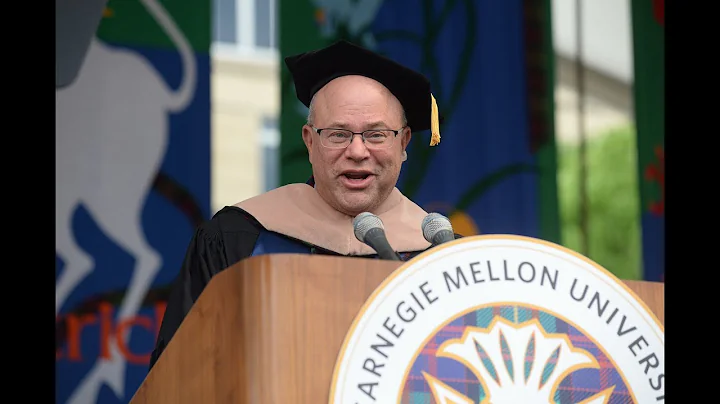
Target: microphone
(437, 229)
(369, 229)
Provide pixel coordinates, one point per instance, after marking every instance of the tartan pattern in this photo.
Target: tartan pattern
(577, 386)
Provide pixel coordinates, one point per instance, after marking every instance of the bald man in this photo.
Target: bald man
(362, 110)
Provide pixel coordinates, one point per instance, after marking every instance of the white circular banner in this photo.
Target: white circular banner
(501, 319)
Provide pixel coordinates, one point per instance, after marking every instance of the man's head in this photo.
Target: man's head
(358, 176)
(352, 89)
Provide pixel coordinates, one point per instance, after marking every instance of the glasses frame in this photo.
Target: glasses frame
(361, 134)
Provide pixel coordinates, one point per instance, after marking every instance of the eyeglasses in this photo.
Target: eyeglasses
(341, 138)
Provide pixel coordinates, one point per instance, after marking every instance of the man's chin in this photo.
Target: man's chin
(357, 203)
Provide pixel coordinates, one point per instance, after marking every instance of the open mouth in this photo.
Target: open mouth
(356, 176)
(356, 180)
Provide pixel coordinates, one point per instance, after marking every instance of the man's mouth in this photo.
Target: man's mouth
(356, 179)
(356, 175)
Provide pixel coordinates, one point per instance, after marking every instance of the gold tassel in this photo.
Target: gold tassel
(434, 123)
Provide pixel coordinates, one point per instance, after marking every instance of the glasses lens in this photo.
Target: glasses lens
(379, 139)
(336, 138)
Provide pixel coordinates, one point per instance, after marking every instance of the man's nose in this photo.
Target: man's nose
(356, 149)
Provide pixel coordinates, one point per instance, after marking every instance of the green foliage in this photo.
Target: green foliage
(614, 214)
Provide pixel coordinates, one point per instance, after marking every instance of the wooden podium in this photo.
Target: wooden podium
(269, 329)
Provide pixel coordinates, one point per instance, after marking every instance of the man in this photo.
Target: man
(362, 111)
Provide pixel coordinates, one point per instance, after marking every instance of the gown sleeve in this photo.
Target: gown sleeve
(215, 246)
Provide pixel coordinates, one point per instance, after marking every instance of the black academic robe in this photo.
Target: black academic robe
(230, 236)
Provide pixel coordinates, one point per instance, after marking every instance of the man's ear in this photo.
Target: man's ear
(307, 135)
(406, 138)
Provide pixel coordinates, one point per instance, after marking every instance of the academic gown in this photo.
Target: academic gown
(290, 219)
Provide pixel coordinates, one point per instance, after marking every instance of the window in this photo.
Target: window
(269, 152)
(224, 21)
(264, 23)
(245, 26)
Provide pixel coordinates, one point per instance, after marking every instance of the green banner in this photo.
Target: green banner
(131, 24)
(649, 88)
(299, 32)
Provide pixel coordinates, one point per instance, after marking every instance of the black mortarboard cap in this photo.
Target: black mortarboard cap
(314, 69)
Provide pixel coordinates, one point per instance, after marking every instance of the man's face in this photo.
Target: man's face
(355, 179)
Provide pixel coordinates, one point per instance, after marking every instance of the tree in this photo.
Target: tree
(614, 215)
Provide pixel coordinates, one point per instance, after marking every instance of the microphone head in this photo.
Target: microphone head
(364, 222)
(432, 224)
